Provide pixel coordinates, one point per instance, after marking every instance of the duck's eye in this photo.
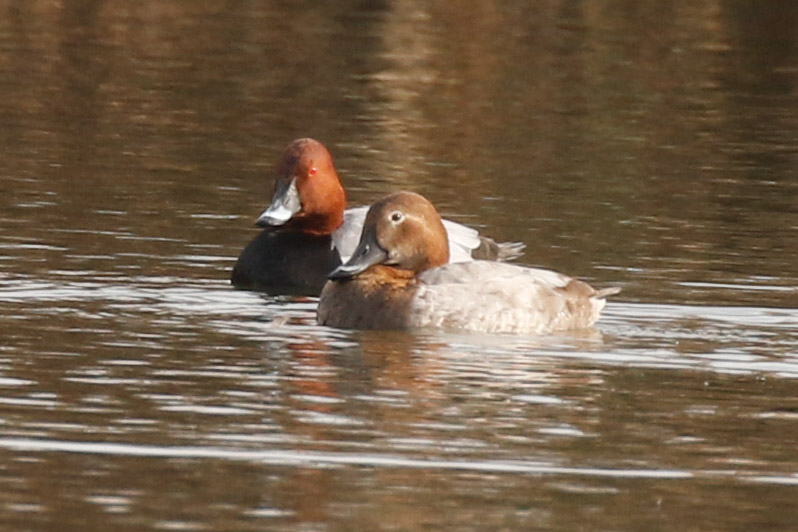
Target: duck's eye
(397, 217)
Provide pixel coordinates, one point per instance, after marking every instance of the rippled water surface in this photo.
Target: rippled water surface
(649, 145)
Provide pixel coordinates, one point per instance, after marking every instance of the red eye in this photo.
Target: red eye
(312, 170)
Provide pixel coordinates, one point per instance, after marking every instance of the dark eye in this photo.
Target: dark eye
(397, 217)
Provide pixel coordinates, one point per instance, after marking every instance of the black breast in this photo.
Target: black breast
(285, 262)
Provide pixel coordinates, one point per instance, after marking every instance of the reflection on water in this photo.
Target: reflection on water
(648, 146)
(129, 382)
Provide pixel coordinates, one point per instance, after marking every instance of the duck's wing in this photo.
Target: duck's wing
(465, 243)
(479, 272)
(462, 241)
(497, 297)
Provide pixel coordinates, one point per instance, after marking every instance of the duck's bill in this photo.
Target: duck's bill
(367, 253)
(285, 204)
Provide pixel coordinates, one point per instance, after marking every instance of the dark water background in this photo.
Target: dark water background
(650, 145)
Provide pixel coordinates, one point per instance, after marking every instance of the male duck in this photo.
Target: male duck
(398, 277)
(307, 232)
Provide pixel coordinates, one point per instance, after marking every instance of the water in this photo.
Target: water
(652, 146)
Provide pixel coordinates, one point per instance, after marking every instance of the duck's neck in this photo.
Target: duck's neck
(389, 273)
(322, 208)
(384, 275)
(317, 223)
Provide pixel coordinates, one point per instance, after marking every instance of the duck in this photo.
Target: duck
(307, 231)
(399, 277)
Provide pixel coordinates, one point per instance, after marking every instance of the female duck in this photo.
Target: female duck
(398, 277)
(307, 233)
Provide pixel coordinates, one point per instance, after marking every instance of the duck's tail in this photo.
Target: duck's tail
(606, 292)
(489, 249)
